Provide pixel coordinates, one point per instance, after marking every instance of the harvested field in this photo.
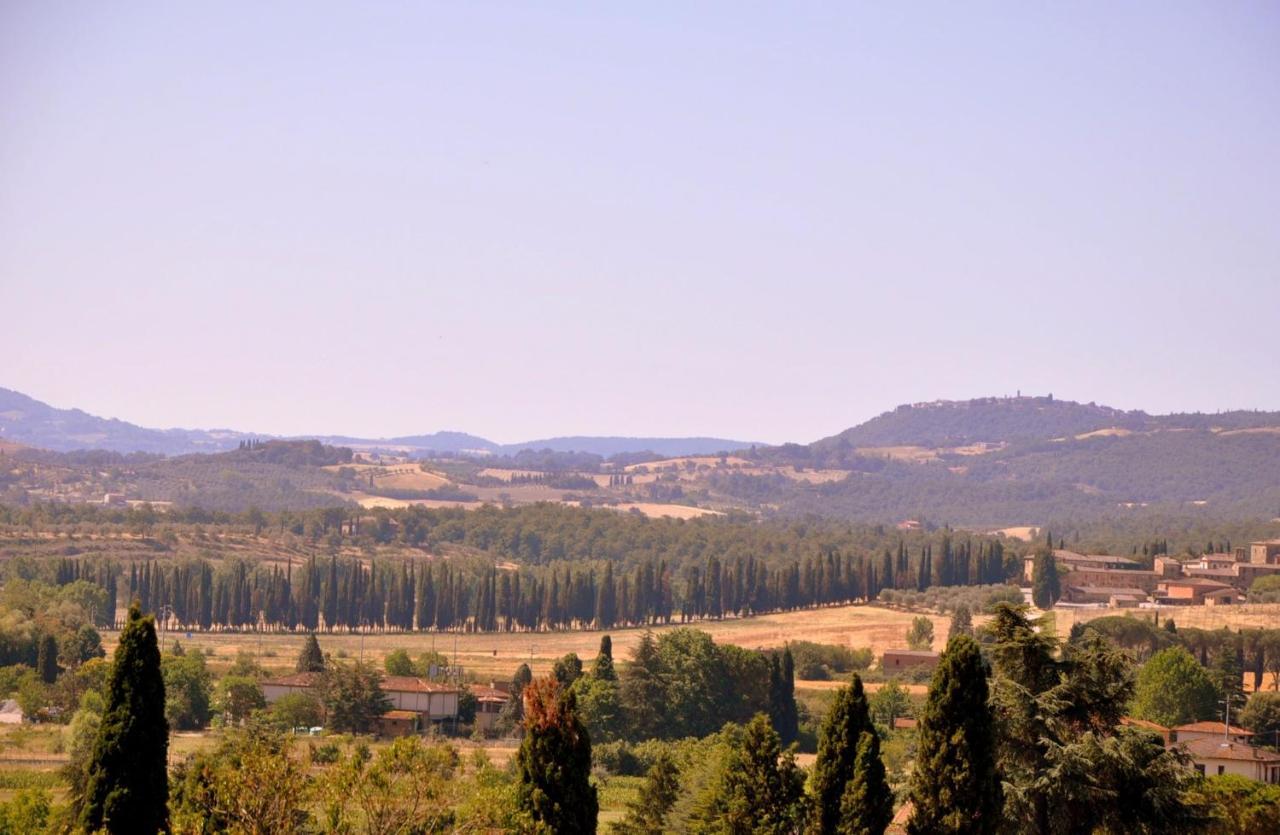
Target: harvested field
(497, 655)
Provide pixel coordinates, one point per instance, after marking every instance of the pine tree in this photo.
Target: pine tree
(846, 722)
(759, 790)
(955, 787)
(128, 782)
(866, 807)
(1046, 586)
(553, 765)
(647, 814)
(604, 661)
(961, 622)
(311, 659)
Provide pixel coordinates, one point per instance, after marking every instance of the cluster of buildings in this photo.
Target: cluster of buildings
(1217, 748)
(417, 704)
(1210, 580)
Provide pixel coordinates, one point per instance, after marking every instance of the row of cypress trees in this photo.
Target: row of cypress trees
(346, 593)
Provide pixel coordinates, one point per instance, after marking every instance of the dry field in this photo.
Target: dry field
(497, 655)
(1257, 615)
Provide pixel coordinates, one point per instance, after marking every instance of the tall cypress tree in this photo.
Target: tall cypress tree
(128, 782)
(955, 787)
(866, 807)
(782, 696)
(553, 765)
(838, 740)
(47, 658)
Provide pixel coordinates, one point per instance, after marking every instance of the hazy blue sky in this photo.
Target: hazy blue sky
(767, 222)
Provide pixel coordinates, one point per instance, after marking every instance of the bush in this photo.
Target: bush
(819, 661)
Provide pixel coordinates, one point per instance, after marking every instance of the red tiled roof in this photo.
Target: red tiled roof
(913, 653)
(413, 684)
(1216, 749)
(400, 714)
(903, 723)
(1213, 728)
(488, 694)
(1143, 723)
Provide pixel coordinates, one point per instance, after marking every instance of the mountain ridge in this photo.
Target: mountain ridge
(31, 422)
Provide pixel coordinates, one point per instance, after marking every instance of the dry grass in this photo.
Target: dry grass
(1248, 616)
(497, 655)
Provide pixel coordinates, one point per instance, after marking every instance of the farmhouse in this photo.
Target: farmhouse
(1216, 756)
(489, 704)
(908, 659)
(1195, 592)
(1119, 597)
(432, 702)
(1266, 552)
(274, 688)
(1072, 562)
(435, 702)
(1211, 730)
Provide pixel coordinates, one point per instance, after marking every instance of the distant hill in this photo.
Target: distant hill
(947, 423)
(25, 420)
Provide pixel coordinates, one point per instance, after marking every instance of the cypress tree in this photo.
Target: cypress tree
(47, 658)
(553, 765)
(955, 787)
(128, 782)
(866, 808)
(838, 739)
(647, 814)
(311, 659)
(604, 661)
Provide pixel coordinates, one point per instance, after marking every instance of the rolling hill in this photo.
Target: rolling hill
(28, 421)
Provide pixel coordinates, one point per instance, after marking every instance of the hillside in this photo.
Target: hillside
(28, 421)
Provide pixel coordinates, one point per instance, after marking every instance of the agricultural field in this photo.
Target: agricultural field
(496, 655)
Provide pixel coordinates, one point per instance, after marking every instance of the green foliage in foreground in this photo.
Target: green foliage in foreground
(128, 785)
(553, 765)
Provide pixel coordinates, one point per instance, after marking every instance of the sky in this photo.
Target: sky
(764, 222)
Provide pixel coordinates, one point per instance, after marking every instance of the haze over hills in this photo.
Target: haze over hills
(28, 421)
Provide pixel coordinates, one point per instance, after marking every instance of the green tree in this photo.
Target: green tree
(297, 710)
(47, 658)
(311, 659)
(890, 702)
(866, 807)
(782, 696)
(838, 740)
(128, 784)
(604, 661)
(1046, 585)
(759, 790)
(398, 663)
(961, 622)
(553, 765)
(955, 787)
(920, 635)
(353, 698)
(597, 701)
(1240, 806)
(642, 690)
(28, 812)
(647, 814)
(187, 689)
(567, 669)
(84, 645)
(1261, 715)
(1173, 689)
(239, 697)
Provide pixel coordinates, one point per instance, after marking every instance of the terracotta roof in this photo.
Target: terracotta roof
(1197, 583)
(1210, 572)
(413, 684)
(488, 694)
(1212, 728)
(903, 723)
(400, 714)
(1130, 591)
(1216, 749)
(913, 653)
(294, 680)
(1067, 556)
